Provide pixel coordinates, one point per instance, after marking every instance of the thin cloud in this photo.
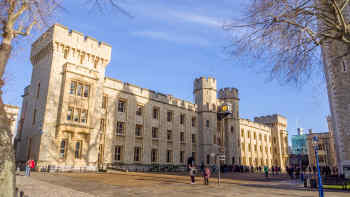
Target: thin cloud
(198, 19)
(180, 39)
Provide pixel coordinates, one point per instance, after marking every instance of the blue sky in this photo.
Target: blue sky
(165, 45)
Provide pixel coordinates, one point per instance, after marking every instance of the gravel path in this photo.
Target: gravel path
(35, 188)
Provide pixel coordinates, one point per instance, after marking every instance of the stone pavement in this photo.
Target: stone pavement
(147, 185)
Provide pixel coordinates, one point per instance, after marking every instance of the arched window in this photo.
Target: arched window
(38, 91)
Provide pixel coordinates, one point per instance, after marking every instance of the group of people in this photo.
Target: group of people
(204, 170)
(30, 164)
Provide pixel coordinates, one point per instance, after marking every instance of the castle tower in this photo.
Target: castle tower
(205, 98)
(60, 105)
(231, 125)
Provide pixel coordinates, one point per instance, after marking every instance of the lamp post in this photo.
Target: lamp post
(320, 187)
(224, 111)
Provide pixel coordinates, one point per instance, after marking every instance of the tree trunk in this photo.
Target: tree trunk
(7, 164)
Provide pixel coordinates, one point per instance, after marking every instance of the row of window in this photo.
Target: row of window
(64, 148)
(120, 131)
(77, 115)
(254, 135)
(256, 148)
(119, 154)
(257, 162)
(155, 113)
(79, 89)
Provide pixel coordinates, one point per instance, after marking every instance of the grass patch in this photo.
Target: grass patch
(335, 186)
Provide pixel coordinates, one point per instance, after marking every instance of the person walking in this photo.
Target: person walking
(206, 175)
(192, 173)
(29, 165)
(266, 170)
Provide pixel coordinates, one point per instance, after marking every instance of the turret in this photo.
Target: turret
(204, 91)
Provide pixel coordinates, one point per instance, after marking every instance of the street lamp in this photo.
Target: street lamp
(320, 187)
(224, 111)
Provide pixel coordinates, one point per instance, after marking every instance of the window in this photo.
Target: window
(249, 148)
(193, 121)
(193, 138)
(232, 129)
(80, 89)
(86, 90)
(34, 117)
(63, 146)
(82, 57)
(65, 53)
(266, 150)
(76, 115)
(121, 106)
(73, 87)
(274, 140)
(169, 156)
(255, 147)
(182, 118)
(248, 134)
(242, 133)
(182, 156)
(169, 135)
(260, 138)
(155, 132)
(77, 152)
(243, 147)
(118, 153)
(254, 136)
(138, 130)
(207, 123)
(120, 128)
(70, 113)
(102, 124)
(139, 110)
(104, 101)
(344, 67)
(154, 155)
(38, 91)
(208, 159)
(265, 138)
(83, 117)
(156, 113)
(261, 149)
(137, 154)
(170, 116)
(214, 139)
(182, 137)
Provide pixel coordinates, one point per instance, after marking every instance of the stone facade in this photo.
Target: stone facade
(74, 116)
(12, 115)
(326, 150)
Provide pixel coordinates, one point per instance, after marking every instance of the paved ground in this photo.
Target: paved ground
(147, 185)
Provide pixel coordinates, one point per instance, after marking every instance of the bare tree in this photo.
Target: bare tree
(288, 34)
(17, 19)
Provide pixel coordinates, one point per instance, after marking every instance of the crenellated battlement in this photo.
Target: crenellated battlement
(204, 83)
(228, 93)
(270, 119)
(70, 43)
(147, 93)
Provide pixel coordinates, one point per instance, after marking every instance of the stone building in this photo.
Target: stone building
(326, 149)
(74, 116)
(12, 114)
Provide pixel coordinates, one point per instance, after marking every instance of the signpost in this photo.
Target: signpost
(320, 187)
(221, 157)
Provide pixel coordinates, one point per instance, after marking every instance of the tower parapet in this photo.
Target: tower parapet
(271, 119)
(228, 93)
(204, 83)
(71, 45)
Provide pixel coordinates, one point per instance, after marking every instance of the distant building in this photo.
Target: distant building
(12, 115)
(299, 144)
(73, 116)
(326, 149)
